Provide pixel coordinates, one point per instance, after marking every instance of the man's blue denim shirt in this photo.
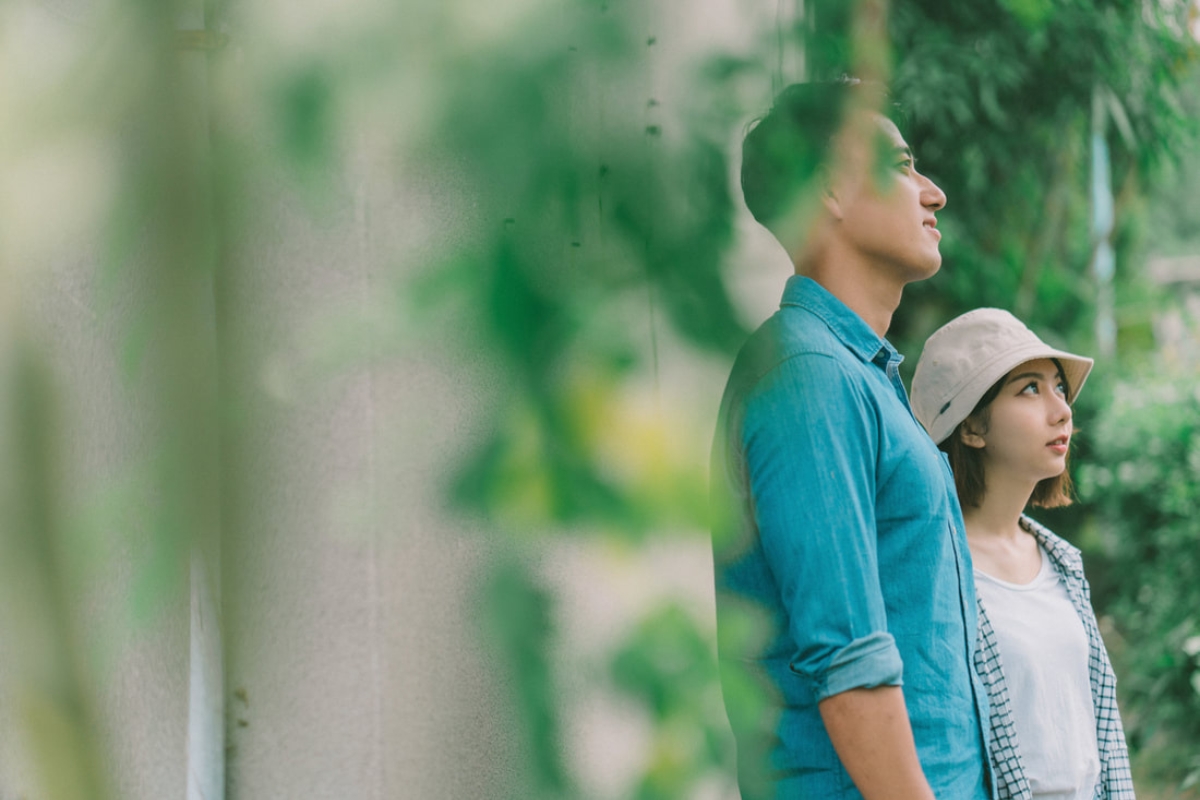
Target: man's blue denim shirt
(841, 559)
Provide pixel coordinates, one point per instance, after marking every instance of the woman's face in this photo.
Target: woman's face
(1029, 424)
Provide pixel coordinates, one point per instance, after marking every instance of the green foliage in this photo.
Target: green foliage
(47, 682)
(582, 216)
(668, 664)
(305, 109)
(516, 618)
(1001, 97)
(1144, 484)
(1173, 216)
(587, 225)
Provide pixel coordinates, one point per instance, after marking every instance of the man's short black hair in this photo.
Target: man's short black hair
(784, 152)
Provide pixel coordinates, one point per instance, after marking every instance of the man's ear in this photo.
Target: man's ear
(971, 433)
(829, 195)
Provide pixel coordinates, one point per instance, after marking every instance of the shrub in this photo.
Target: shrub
(1142, 483)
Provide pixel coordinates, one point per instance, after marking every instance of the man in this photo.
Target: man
(846, 608)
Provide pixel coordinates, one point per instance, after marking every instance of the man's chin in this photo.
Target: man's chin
(927, 270)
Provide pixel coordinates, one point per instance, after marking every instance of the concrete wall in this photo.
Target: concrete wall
(350, 665)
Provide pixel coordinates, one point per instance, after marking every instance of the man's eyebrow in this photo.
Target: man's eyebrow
(905, 151)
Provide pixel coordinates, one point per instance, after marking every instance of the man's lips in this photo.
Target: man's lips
(931, 226)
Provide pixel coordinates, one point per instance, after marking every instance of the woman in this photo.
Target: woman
(996, 400)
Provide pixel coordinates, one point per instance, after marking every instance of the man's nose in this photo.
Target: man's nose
(932, 197)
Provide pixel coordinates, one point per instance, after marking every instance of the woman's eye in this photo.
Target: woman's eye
(1062, 388)
(1030, 388)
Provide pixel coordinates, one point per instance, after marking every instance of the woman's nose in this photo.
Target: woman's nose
(1061, 409)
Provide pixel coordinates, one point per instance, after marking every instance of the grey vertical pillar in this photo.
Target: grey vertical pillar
(205, 760)
(1103, 266)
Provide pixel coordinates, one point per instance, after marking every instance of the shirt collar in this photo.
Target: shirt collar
(1062, 552)
(854, 332)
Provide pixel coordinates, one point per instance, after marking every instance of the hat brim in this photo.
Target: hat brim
(969, 392)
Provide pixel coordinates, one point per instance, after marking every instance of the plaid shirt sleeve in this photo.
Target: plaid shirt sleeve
(1005, 752)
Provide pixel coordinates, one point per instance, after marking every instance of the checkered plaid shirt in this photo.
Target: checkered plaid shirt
(1005, 756)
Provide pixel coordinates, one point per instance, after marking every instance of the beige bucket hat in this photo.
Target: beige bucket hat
(964, 357)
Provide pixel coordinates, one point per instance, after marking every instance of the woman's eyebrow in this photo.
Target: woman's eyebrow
(1041, 376)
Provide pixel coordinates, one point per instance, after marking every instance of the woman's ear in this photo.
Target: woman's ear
(971, 433)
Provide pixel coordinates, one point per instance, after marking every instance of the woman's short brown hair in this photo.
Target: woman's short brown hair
(967, 462)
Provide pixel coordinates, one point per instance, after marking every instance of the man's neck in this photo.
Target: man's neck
(872, 297)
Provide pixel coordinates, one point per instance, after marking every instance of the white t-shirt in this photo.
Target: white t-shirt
(1044, 650)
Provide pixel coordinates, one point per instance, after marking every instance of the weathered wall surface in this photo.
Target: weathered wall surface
(351, 666)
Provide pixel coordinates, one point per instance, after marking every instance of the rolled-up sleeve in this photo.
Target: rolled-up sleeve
(810, 437)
